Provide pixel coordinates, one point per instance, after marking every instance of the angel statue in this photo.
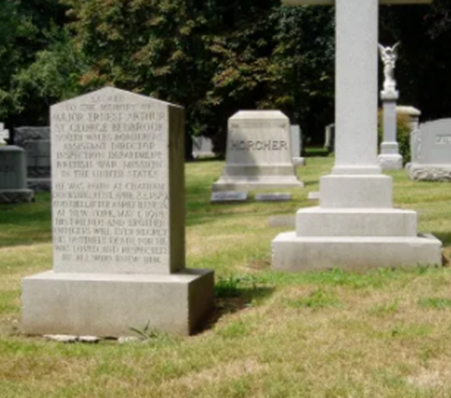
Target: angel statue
(389, 56)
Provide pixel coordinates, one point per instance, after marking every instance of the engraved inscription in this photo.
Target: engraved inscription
(110, 184)
(443, 140)
(265, 145)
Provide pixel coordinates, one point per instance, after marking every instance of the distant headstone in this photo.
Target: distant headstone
(329, 142)
(13, 180)
(118, 223)
(413, 114)
(296, 146)
(36, 142)
(259, 154)
(203, 147)
(229, 197)
(314, 195)
(4, 134)
(273, 197)
(431, 156)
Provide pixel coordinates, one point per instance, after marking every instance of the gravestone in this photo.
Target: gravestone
(203, 147)
(329, 141)
(36, 142)
(296, 145)
(431, 155)
(259, 154)
(355, 225)
(13, 180)
(118, 223)
(413, 114)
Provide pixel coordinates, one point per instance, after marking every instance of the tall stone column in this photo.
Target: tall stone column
(355, 225)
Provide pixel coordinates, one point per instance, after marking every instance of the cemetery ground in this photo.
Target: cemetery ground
(383, 333)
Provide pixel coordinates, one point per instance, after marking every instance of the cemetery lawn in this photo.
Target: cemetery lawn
(384, 333)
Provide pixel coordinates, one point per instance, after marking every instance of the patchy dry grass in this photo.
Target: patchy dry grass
(384, 333)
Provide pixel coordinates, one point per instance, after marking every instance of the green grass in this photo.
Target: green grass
(383, 333)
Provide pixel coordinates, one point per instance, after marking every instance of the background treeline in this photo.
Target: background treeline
(214, 57)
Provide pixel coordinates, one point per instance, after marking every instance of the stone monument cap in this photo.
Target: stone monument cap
(408, 110)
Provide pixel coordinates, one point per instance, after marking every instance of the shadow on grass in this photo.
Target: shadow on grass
(444, 237)
(26, 224)
(235, 294)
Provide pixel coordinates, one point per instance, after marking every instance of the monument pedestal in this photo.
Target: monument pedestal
(430, 172)
(109, 305)
(389, 158)
(355, 228)
(299, 253)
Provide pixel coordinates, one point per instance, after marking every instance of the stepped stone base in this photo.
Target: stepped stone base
(390, 162)
(16, 196)
(108, 305)
(40, 184)
(295, 254)
(316, 221)
(430, 172)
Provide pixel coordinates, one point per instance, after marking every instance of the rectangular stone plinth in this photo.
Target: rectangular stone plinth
(430, 172)
(315, 221)
(356, 191)
(107, 305)
(295, 254)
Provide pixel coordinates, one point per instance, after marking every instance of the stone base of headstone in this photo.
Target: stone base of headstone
(355, 227)
(390, 159)
(430, 172)
(40, 184)
(109, 305)
(298, 161)
(314, 195)
(390, 162)
(16, 196)
(294, 253)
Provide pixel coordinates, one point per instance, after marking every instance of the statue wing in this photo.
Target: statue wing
(395, 48)
(381, 50)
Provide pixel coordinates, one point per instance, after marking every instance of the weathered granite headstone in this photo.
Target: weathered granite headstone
(118, 223)
(259, 154)
(296, 145)
(329, 141)
(431, 156)
(36, 142)
(13, 180)
(355, 225)
(203, 147)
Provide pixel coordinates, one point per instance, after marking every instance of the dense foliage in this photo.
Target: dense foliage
(211, 56)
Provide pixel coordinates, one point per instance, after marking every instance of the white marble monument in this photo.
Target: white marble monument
(259, 154)
(389, 158)
(431, 152)
(118, 223)
(355, 225)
